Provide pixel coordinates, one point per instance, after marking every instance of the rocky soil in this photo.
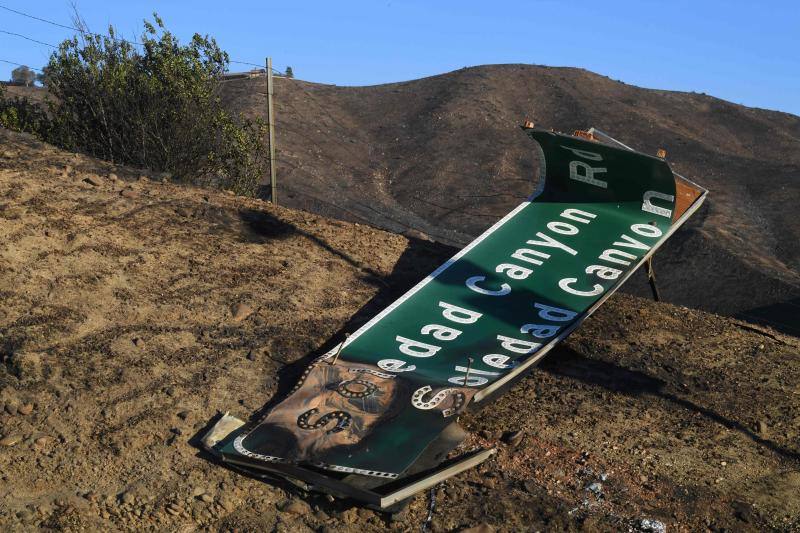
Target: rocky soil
(132, 311)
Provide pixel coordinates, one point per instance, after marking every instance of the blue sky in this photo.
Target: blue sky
(745, 52)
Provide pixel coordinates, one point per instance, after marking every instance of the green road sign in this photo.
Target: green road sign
(480, 319)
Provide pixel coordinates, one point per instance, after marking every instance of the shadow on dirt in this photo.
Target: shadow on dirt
(783, 316)
(569, 363)
(262, 226)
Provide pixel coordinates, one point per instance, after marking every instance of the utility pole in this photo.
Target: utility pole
(273, 184)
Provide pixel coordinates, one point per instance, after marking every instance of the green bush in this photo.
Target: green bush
(20, 114)
(154, 106)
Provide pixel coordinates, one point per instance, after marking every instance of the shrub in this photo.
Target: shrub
(20, 114)
(155, 106)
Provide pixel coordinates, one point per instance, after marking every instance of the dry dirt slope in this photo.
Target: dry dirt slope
(131, 311)
(444, 155)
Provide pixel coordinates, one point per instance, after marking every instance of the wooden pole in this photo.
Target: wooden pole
(651, 277)
(273, 183)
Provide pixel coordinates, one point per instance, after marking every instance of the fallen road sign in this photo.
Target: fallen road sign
(374, 419)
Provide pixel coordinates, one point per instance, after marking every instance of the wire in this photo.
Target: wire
(18, 64)
(73, 28)
(37, 18)
(28, 38)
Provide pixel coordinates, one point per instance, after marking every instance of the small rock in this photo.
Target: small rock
(183, 415)
(251, 356)
(530, 485)
(10, 440)
(349, 516)
(113, 177)
(653, 526)
(297, 507)
(643, 478)
(128, 498)
(93, 180)
(227, 504)
(25, 409)
(27, 366)
(182, 211)
(207, 498)
(513, 438)
(596, 489)
(241, 311)
(128, 193)
(138, 342)
(761, 427)
(165, 177)
(743, 511)
(142, 177)
(42, 441)
(11, 408)
(174, 509)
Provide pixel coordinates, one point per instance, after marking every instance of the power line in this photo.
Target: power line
(18, 64)
(28, 38)
(80, 30)
(38, 18)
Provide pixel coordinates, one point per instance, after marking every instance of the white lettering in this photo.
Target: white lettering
(630, 242)
(563, 228)
(647, 203)
(550, 242)
(646, 230)
(588, 174)
(523, 254)
(416, 348)
(584, 217)
(514, 271)
(617, 256)
(518, 346)
(395, 365)
(442, 333)
(541, 331)
(591, 156)
(566, 282)
(453, 313)
(554, 314)
(473, 381)
(472, 283)
(603, 272)
(497, 360)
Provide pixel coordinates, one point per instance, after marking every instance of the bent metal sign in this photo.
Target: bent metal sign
(374, 404)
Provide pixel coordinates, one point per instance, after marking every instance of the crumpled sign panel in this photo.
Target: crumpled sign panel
(374, 405)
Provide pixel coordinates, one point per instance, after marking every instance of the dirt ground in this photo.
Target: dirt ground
(132, 311)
